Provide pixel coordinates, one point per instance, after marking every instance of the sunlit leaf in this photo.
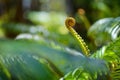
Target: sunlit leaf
(105, 30)
(110, 53)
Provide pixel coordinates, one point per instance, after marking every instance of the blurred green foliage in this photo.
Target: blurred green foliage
(42, 48)
(97, 9)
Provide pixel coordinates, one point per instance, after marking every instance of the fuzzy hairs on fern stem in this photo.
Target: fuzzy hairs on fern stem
(70, 22)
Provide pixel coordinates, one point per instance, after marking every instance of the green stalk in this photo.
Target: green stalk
(70, 22)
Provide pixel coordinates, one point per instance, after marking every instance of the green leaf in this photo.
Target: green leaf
(110, 53)
(91, 70)
(31, 60)
(105, 30)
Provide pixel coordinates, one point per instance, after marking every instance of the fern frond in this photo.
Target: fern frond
(92, 70)
(70, 22)
(104, 31)
(115, 72)
(110, 53)
(31, 60)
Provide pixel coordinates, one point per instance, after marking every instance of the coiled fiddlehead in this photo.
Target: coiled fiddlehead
(70, 22)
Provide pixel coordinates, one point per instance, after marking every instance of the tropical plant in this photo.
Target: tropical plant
(36, 60)
(108, 53)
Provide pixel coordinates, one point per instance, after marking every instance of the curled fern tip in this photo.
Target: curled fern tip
(70, 22)
(81, 11)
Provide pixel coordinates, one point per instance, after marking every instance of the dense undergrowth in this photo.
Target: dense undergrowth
(40, 53)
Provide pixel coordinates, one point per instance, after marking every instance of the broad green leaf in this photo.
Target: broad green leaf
(31, 60)
(105, 30)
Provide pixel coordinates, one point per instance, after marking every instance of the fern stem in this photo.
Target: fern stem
(81, 14)
(70, 22)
